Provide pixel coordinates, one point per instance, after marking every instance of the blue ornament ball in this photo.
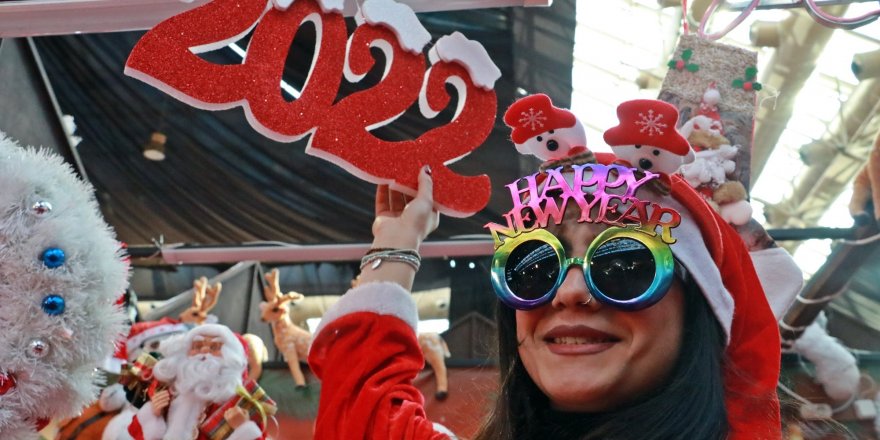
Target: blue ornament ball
(53, 258)
(53, 305)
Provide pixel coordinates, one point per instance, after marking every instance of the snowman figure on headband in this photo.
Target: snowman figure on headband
(542, 130)
(647, 138)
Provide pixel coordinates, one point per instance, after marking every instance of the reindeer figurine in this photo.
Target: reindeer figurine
(205, 298)
(292, 340)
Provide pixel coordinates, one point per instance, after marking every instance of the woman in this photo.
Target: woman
(603, 352)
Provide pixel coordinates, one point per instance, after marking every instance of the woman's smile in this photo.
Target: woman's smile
(578, 340)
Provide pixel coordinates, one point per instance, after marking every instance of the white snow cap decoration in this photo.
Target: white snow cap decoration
(326, 5)
(400, 18)
(61, 272)
(470, 54)
(69, 129)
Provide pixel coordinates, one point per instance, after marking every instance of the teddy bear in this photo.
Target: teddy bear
(647, 137)
(547, 132)
(61, 273)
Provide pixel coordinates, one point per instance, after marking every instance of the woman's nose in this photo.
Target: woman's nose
(573, 291)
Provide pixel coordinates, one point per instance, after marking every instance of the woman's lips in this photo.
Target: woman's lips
(578, 340)
(7, 383)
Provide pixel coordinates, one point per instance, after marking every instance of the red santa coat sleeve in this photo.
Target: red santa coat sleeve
(367, 355)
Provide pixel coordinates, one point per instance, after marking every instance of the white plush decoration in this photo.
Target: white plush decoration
(836, 367)
(48, 352)
(736, 213)
(710, 166)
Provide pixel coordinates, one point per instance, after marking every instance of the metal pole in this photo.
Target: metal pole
(788, 4)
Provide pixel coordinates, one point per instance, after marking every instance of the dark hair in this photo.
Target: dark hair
(689, 406)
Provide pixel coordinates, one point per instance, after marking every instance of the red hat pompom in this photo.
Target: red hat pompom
(535, 114)
(648, 122)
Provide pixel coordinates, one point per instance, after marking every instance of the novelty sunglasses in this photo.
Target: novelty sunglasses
(623, 268)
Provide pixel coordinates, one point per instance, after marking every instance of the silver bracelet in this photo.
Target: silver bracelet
(408, 256)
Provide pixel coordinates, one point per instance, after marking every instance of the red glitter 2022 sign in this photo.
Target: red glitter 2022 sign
(166, 57)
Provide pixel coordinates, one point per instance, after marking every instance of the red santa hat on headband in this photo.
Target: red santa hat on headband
(720, 264)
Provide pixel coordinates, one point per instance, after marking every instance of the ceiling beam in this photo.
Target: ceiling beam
(802, 41)
(24, 18)
(844, 151)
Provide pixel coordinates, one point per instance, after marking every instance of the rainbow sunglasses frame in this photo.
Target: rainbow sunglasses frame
(609, 176)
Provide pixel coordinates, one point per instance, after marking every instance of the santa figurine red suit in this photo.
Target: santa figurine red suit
(545, 131)
(646, 137)
(204, 369)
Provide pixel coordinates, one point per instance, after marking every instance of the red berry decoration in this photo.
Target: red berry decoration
(748, 83)
(683, 63)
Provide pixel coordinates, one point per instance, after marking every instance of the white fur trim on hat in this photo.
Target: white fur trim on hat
(691, 251)
(780, 277)
(383, 298)
(134, 342)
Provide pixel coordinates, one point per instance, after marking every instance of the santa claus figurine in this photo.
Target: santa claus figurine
(712, 172)
(204, 370)
(545, 131)
(646, 137)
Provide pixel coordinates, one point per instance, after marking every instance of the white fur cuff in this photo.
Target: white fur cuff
(383, 298)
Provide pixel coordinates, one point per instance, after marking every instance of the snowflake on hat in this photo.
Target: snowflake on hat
(542, 130)
(714, 161)
(646, 137)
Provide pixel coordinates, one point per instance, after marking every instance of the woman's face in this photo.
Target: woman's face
(593, 357)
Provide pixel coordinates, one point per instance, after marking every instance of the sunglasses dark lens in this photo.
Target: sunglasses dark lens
(622, 268)
(531, 269)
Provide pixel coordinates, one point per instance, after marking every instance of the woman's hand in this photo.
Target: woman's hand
(402, 222)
